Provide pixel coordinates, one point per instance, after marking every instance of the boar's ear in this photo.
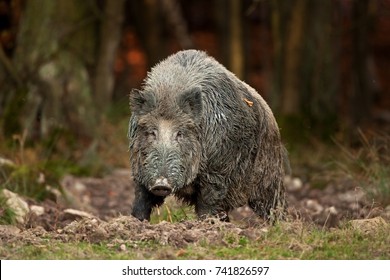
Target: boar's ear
(141, 102)
(190, 102)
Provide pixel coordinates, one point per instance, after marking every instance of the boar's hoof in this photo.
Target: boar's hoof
(161, 187)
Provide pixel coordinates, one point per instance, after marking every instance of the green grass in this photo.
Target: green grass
(172, 211)
(366, 165)
(7, 215)
(369, 166)
(282, 241)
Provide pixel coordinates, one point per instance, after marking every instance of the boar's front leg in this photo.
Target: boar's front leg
(209, 203)
(144, 202)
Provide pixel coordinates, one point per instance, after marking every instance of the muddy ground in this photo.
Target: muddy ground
(97, 209)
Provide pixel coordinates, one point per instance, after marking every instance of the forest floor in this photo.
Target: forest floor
(337, 221)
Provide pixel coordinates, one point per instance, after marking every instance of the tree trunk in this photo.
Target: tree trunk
(110, 35)
(294, 43)
(279, 21)
(221, 11)
(236, 46)
(55, 43)
(305, 80)
(361, 95)
(153, 36)
(175, 18)
(319, 74)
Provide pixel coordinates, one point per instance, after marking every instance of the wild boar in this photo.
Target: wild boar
(198, 132)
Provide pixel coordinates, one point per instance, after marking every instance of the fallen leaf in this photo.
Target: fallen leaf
(250, 103)
(180, 253)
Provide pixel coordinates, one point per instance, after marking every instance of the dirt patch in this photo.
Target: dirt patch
(97, 209)
(113, 195)
(129, 230)
(104, 197)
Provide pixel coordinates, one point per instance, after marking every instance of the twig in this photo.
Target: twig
(158, 214)
(169, 214)
(326, 221)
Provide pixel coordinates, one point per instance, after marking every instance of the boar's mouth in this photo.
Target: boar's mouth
(161, 187)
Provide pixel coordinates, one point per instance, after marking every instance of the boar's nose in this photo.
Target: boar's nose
(161, 187)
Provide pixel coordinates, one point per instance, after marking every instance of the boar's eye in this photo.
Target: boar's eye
(179, 136)
(152, 134)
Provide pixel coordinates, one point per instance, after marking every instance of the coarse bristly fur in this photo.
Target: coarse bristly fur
(211, 137)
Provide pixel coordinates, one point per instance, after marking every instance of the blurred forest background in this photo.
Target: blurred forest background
(67, 67)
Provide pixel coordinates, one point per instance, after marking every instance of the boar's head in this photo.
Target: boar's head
(165, 146)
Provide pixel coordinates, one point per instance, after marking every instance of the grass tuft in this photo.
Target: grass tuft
(368, 165)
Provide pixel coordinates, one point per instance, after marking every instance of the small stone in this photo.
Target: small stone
(296, 184)
(8, 230)
(368, 226)
(79, 187)
(78, 213)
(6, 162)
(37, 210)
(264, 229)
(55, 194)
(331, 210)
(354, 196)
(41, 178)
(314, 206)
(293, 184)
(123, 248)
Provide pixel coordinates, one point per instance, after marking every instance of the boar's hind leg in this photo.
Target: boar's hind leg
(259, 208)
(144, 202)
(271, 208)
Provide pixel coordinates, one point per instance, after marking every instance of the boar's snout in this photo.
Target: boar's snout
(161, 187)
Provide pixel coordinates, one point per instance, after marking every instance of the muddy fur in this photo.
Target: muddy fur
(212, 137)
